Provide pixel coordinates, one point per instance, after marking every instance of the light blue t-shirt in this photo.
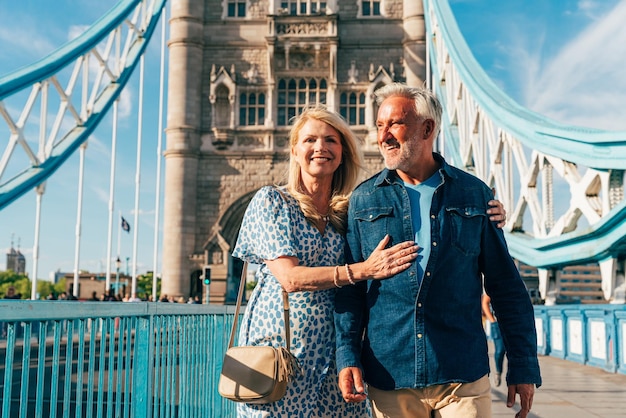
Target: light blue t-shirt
(421, 196)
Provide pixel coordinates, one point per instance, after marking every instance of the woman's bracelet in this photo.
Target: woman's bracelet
(336, 277)
(349, 274)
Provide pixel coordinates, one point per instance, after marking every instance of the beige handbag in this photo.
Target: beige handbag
(257, 374)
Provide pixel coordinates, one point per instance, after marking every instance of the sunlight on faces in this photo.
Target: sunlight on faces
(318, 150)
(399, 130)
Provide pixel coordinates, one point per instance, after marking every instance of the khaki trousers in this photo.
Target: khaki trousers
(452, 400)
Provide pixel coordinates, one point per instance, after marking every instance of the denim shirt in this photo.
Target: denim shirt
(408, 335)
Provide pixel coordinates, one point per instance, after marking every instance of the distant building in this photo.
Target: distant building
(569, 284)
(55, 276)
(95, 282)
(16, 260)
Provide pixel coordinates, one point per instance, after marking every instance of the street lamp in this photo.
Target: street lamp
(118, 264)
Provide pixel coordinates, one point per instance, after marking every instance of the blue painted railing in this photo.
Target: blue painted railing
(592, 335)
(111, 359)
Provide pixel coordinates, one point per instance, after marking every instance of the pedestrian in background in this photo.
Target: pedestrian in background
(496, 337)
(13, 295)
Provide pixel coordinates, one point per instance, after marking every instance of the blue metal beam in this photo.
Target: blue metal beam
(57, 60)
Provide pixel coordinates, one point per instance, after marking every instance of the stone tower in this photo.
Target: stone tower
(239, 70)
(15, 259)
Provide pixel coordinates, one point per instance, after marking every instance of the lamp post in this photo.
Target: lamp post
(118, 264)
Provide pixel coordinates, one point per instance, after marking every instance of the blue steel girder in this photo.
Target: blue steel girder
(521, 152)
(100, 42)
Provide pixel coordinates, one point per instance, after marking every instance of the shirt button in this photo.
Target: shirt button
(419, 335)
(467, 213)
(428, 273)
(434, 243)
(419, 305)
(371, 216)
(432, 216)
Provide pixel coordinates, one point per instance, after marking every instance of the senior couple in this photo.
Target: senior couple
(385, 280)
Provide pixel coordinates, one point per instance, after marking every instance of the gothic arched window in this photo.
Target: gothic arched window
(352, 107)
(370, 7)
(251, 109)
(236, 8)
(302, 7)
(295, 94)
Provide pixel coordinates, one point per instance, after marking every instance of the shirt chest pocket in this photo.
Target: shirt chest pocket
(374, 223)
(465, 228)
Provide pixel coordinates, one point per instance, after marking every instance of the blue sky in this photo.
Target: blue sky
(564, 59)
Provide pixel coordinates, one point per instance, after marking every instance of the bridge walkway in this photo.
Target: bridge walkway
(570, 390)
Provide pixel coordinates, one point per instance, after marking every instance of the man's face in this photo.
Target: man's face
(399, 130)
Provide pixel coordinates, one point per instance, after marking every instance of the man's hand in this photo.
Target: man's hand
(526, 392)
(351, 385)
(496, 212)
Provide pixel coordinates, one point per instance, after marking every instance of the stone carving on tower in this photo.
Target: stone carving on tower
(222, 92)
(353, 73)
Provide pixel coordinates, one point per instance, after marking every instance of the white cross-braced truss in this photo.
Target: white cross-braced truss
(52, 106)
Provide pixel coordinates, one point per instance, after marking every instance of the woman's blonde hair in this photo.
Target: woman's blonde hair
(344, 179)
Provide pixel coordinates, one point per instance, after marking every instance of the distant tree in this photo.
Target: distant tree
(144, 285)
(9, 276)
(20, 282)
(60, 286)
(23, 287)
(44, 288)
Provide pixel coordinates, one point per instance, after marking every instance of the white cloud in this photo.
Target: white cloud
(101, 194)
(593, 9)
(583, 84)
(20, 46)
(126, 105)
(75, 31)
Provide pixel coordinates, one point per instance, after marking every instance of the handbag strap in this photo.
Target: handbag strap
(242, 285)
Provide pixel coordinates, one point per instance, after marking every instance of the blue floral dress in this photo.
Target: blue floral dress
(274, 226)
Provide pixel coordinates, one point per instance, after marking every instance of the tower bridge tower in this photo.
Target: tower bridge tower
(239, 70)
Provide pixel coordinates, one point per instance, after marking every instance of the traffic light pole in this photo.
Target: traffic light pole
(206, 280)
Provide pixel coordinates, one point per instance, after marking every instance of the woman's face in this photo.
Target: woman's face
(318, 150)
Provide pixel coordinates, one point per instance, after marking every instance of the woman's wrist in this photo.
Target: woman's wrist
(338, 281)
(336, 278)
(349, 274)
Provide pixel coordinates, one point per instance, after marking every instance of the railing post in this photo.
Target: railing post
(610, 320)
(575, 335)
(541, 324)
(556, 334)
(620, 340)
(142, 370)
